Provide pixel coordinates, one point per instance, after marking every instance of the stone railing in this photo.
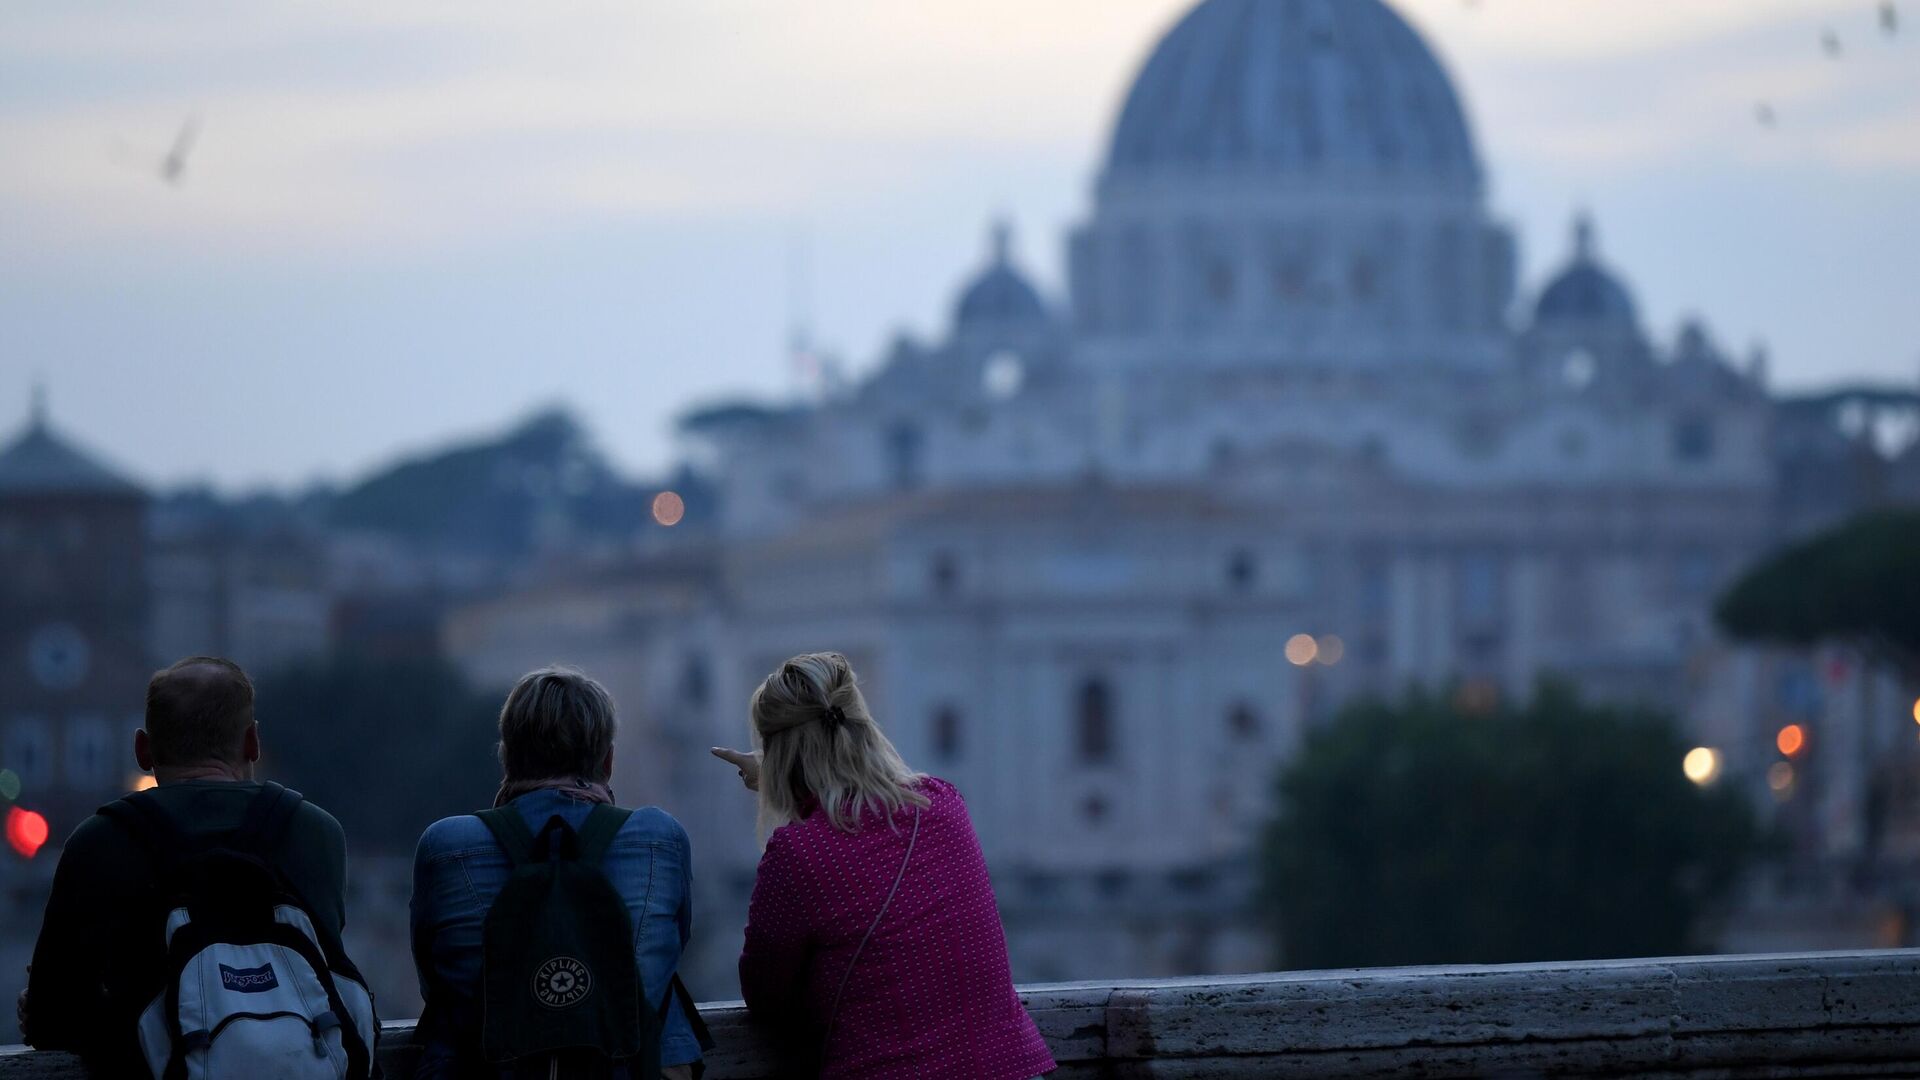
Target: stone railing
(1818, 1014)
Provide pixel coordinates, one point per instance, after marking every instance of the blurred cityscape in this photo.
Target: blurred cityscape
(1296, 435)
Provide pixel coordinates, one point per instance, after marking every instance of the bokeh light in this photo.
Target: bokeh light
(1331, 649)
(1791, 740)
(1477, 697)
(1301, 650)
(26, 831)
(669, 508)
(1004, 374)
(142, 782)
(1916, 710)
(1780, 778)
(9, 784)
(1702, 765)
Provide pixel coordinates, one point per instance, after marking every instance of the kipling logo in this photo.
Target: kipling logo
(249, 980)
(561, 981)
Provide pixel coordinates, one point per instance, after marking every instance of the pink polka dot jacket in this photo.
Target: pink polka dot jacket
(931, 995)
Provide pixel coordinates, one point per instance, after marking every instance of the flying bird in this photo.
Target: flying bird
(1830, 41)
(175, 162)
(1889, 18)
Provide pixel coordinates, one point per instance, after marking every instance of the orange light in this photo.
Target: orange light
(144, 782)
(1916, 710)
(669, 508)
(1791, 740)
(26, 831)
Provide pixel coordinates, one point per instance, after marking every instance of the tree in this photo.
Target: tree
(386, 746)
(1417, 832)
(1858, 583)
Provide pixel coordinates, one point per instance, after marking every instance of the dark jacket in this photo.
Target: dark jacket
(102, 949)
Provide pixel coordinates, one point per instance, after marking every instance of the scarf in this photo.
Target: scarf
(573, 787)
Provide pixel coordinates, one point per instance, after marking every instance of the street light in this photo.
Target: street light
(26, 831)
(1791, 740)
(1301, 649)
(1702, 765)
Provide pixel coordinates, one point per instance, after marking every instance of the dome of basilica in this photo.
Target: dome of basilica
(1294, 87)
(1585, 292)
(1001, 297)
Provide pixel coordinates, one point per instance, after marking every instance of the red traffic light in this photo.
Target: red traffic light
(26, 831)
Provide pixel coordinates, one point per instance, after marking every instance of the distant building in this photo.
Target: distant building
(1103, 558)
(74, 656)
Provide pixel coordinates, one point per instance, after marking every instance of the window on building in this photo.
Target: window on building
(1695, 572)
(1693, 438)
(89, 756)
(943, 573)
(1243, 722)
(1363, 279)
(1373, 649)
(1094, 721)
(28, 749)
(1572, 589)
(905, 445)
(1243, 571)
(1479, 588)
(1376, 590)
(946, 733)
(696, 681)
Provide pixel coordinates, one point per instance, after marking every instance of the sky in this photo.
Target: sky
(403, 224)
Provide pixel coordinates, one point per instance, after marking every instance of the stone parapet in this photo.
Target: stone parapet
(1853, 1014)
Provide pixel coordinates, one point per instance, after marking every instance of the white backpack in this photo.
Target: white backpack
(251, 991)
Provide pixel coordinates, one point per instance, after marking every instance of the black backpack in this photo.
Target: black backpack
(560, 993)
(251, 990)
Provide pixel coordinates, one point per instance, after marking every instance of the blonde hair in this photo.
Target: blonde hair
(817, 737)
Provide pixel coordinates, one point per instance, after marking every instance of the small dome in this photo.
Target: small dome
(1001, 297)
(1294, 86)
(1585, 292)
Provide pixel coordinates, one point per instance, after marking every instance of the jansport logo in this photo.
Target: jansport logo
(249, 980)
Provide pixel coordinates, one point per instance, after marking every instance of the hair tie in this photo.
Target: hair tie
(836, 717)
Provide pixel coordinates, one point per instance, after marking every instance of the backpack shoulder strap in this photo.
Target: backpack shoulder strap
(149, 824)
(597, 832)
(690, 1010)
(510, 829)
(268, 817)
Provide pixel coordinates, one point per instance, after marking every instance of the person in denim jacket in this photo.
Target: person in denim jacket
(556, 745)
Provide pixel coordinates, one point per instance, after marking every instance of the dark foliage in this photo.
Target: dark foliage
(502, 497)
(386, 746)
(1414, 833)
(1858, 583)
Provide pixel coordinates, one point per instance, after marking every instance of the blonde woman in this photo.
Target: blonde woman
(872, 930)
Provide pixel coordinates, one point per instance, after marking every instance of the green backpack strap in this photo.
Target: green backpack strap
(597, 832)
(510, 829)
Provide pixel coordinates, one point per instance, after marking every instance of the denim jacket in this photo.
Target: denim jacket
(459, 870)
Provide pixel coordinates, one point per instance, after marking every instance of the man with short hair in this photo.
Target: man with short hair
(101, 956)
(556, 750)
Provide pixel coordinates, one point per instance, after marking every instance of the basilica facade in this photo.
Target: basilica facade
(1295, 434)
